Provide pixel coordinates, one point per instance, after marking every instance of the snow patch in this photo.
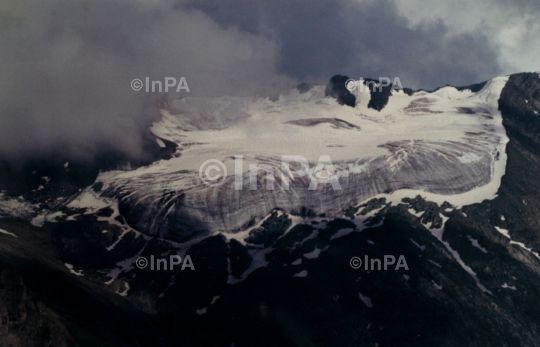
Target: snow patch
(422, 248)
(341, 233)
(313, 255)
(303, 273)
(503, 231)
(125, 291)
(438, 287)
(434, 263)
(40, 220)
(506, 286)
(70, 268)
(520, 244)
(475, 243)
(414, 213)
(7, 232)
(160, 143)
(366, 300)
(15, 207)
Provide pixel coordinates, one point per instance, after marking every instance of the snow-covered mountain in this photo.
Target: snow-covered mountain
(448, 144)
(448, 179)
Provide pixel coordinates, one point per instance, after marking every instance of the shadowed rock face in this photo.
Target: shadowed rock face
(25, 321)
(520, 190)
(379, 94)
(337, 89)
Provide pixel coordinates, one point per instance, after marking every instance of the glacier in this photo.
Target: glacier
(446, 145)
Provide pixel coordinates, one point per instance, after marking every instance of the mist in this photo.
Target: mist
(67, 66)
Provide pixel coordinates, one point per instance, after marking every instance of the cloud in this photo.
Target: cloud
(66, 70)
(361, 39)
(510, 27)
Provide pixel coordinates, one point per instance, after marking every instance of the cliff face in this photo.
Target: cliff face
(26, 321)
(519, 194)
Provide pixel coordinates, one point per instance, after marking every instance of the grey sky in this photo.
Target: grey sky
(427, 43)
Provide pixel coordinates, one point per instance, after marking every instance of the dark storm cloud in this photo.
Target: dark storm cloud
(360, 38)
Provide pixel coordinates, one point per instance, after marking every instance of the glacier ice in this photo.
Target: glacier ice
(448, 144)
